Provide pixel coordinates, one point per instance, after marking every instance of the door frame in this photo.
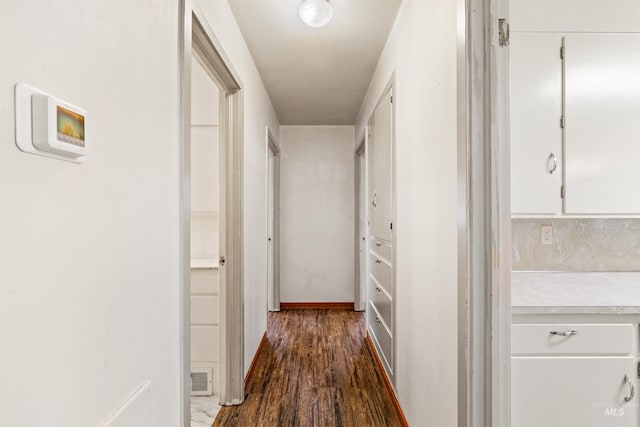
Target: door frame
(273, 293)
(197, 35)
(360, 288)
(484, 226)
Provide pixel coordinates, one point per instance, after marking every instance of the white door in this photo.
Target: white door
(602, 134)
(271, 259)
(536, 133)
(381, 199)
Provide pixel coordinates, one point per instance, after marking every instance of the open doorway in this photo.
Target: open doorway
(574, 85)
(561, 83)
(205, 247)
(273, 223)
(222, 260)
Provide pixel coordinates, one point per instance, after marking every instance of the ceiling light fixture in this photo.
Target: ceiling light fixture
(316, 13)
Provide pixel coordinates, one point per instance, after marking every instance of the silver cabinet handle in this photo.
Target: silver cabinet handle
(374, 201)
(564, 333)
(555, 162)
(632, 389)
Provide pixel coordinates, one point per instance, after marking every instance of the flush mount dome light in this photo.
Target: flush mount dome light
(316, 13)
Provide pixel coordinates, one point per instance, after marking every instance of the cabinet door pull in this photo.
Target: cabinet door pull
(632, 389)
(378, 261)
(378, 244)
(378, 320)
(564, 333)
(374, 201)
(555, 163)
(378, 289)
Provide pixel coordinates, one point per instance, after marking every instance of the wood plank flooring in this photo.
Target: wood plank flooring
(316, 370)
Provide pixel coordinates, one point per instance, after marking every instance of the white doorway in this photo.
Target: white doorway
(361, 226)
(227, 255)
(273, 223)
(205, 247)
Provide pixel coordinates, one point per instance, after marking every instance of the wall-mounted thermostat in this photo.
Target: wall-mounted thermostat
(49, 126)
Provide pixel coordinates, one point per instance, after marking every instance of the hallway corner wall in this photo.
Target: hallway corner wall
(89, 254)
(316, 214)
(258, 113)
(421, 51)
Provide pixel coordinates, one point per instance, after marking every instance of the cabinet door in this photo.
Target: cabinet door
(572, 392)
(536, 135)
(382, 152)
(602, 135)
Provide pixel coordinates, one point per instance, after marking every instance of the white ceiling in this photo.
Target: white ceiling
(316, 76)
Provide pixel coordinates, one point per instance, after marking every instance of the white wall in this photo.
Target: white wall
(89, 253)
(422, 50)
(258, 113)
(316, 213)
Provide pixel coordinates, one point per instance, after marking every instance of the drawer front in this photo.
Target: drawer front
(612, 339)
(381, 337)
(381, 248)
(381, 271)
(381, 301)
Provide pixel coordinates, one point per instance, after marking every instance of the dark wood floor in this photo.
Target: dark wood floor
(316, 370)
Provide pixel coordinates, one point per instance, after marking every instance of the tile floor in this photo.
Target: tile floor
(204, 411)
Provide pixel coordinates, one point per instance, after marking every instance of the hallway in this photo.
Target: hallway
(315, 370)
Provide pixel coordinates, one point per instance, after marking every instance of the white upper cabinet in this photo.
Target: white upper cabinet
(575, 124)
(602, 134)
(575, 16)
(381, 170)
(536, 134)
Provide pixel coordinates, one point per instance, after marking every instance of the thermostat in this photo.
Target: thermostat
(49, 126)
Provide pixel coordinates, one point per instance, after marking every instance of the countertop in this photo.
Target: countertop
(575, 292)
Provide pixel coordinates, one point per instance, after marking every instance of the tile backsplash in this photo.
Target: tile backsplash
(577, 245)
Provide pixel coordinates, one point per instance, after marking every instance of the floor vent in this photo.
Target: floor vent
(201, 382)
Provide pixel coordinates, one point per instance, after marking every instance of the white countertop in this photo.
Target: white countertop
(575, 292)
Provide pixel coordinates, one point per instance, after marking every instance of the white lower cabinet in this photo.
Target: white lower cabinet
(575, 373)
(572, 392)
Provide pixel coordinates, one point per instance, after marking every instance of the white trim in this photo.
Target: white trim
(500, 254)
(184, 161)
(360, 288)
(274, 292)
(484, 232)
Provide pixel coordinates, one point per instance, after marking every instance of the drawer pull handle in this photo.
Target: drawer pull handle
(552, 157)
(378, 289)
(378, 320)
(564, 333)
(632, 389)
(378, 244)
(378, 261)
